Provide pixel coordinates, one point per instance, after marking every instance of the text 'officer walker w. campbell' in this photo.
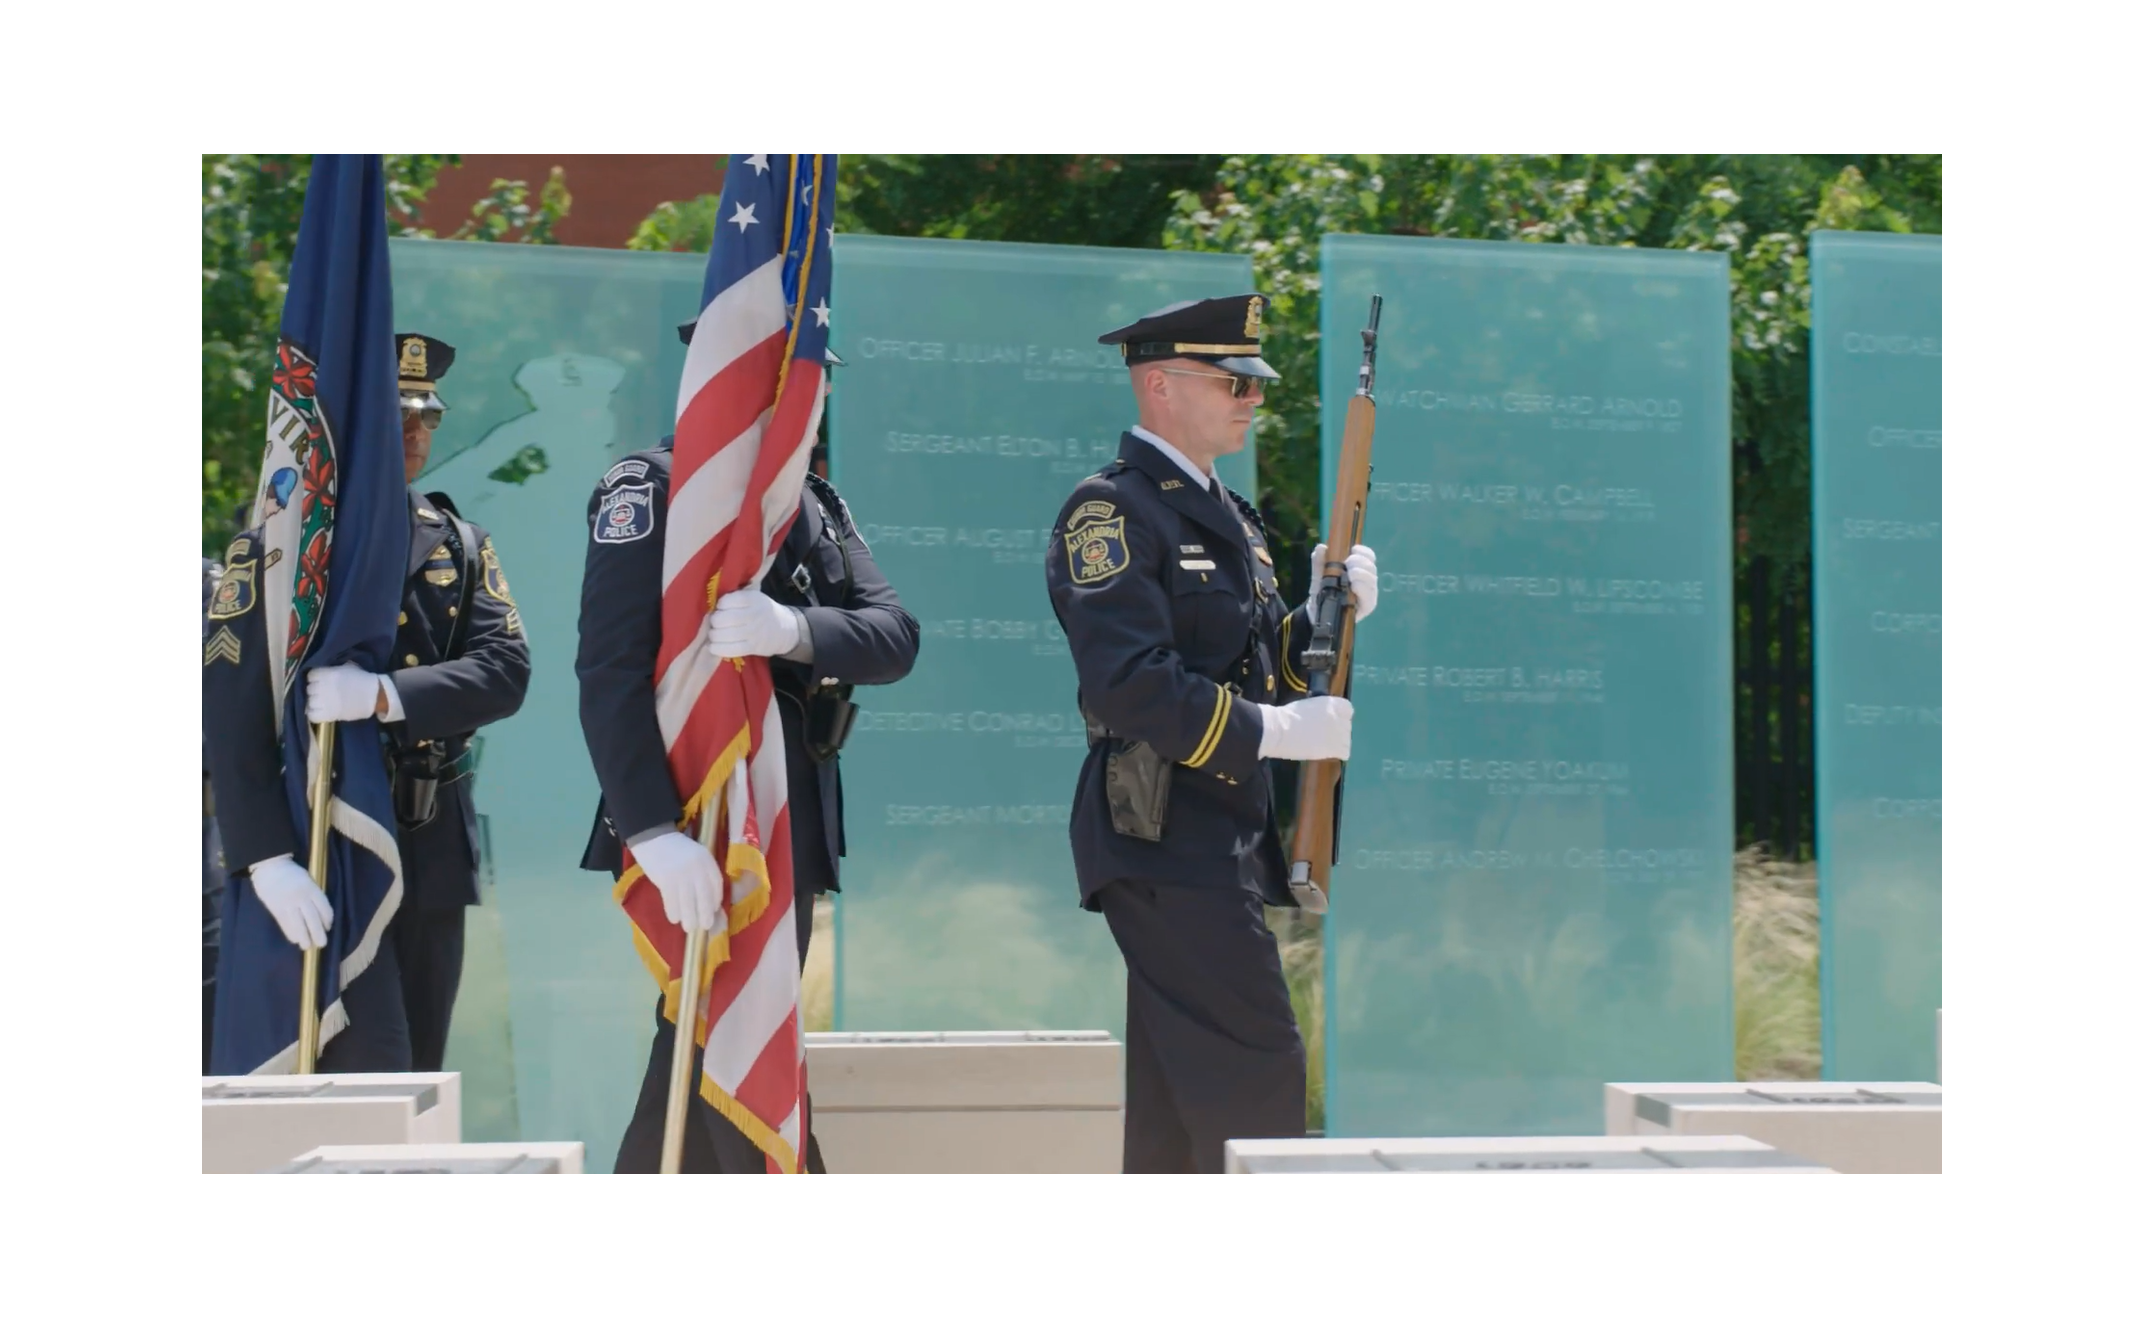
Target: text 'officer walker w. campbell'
(1191, 674)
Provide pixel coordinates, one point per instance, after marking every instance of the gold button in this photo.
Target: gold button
(451, 610)
(402, 620)
(410, 661)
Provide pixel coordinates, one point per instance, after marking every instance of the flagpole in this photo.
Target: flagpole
(682, 1038)
(309, 973)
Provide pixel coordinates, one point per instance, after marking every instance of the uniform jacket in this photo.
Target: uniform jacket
(1167, 595)
(444, 701)
(861, 636)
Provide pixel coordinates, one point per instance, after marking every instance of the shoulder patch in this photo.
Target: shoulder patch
(495, 579)
(1097, 550)
(625, 513)
(1095, 510)
(235, 593)
(630, 469)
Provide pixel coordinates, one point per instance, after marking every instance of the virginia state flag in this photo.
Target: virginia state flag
(336, 527)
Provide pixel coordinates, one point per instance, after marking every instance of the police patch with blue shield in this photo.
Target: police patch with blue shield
(625, 514)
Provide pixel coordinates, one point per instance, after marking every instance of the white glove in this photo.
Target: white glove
(1315, 728)
(686, 873)
(746, 622)
(342, 694)
(1364, 576)
(299, 906)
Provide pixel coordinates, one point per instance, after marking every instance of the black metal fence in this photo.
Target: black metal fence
(1773, 620)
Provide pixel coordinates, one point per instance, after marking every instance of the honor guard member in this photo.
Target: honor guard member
(212, 862)
(462, 662)
(828, 620)
(1190, 669)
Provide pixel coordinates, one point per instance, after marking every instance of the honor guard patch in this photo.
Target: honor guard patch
(235, 592)
(631, 469)
(1097, 551)
(495, 580)
(624, 514)
(223, 645)
(1096, 510)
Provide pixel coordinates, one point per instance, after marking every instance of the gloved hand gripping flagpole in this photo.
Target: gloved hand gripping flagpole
(319, 797)
(697, 946)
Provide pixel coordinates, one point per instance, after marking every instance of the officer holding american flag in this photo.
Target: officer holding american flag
(822, 616)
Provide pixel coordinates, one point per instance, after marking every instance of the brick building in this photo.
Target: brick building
(612, 194)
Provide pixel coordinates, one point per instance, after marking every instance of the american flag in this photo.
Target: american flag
(749, 405)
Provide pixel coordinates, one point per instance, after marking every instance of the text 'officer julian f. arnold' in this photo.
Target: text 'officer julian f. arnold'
(1190, 672)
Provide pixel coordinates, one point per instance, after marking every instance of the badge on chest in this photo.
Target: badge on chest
(440, 567)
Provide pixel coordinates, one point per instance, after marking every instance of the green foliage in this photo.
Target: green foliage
(1759, 210)
(677, 226)
(1094, 200)
(507, 215)
(1097, 201)
(250, 207)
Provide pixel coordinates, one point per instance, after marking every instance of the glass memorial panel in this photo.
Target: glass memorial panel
(974, 399)
(566, 359)
(1876, 646)
(1533, 895)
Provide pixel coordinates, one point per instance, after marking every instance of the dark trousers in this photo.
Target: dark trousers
(713, 1144)
(400, 1007)
(1212, 1047)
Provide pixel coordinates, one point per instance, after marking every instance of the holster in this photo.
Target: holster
(416, 776)
(1137, 783)
(828, 716)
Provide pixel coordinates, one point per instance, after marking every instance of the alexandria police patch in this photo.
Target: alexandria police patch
(625, 513)
(1097, 551)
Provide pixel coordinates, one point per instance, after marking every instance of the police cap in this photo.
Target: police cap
(1222, 330)
(420, 361)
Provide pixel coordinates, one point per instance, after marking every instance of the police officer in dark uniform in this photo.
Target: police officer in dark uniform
(827, 619)
(212, 861)
(1189, 668)
(462, 661)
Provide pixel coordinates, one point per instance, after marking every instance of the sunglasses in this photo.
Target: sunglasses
(1241, 385)
(428, 416)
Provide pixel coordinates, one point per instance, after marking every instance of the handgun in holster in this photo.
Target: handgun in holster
(1137, 782)
(828, 716)
(419, 772)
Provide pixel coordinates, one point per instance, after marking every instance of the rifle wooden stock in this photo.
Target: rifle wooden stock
(1320, 781)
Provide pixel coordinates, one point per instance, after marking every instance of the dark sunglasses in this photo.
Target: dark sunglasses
(1241, 385)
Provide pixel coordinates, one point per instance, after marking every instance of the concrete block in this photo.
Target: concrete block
(557, 1158)
(258, 1123)
(1524, 1153)
(968, 1101)
(1841, 1125)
